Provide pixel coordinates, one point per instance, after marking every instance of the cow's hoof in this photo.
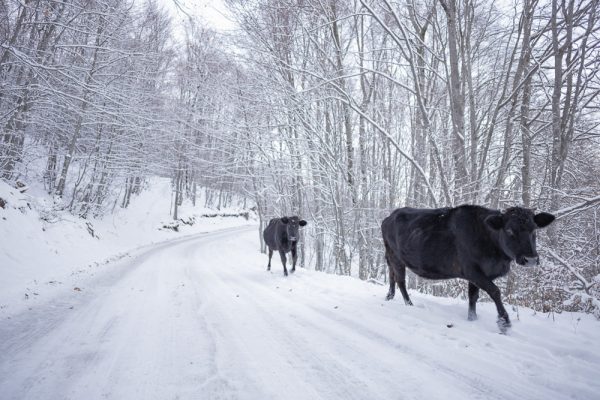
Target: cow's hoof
(293, 270)
(389, 297)
(472, 316)
(408, 303)
(503, 324)
(285, 273)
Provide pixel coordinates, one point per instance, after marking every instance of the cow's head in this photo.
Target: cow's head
(516, 229)
(292, 224)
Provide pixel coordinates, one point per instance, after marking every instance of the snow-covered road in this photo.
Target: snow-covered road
(202, 319)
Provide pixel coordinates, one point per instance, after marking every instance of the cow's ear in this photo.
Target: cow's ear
(543, 219)
(285, 220)
(302, 222)
(495, 221)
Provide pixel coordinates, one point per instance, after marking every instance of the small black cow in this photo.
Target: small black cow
(282, 235)
(468, 242)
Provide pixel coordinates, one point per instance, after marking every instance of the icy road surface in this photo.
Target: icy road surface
(201, 319)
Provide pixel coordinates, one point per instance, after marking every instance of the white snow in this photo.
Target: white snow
(39, 256)
(201, 318)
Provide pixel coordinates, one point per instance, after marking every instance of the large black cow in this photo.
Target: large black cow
(282, 235)
(468, 242)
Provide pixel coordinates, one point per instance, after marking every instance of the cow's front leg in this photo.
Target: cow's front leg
(294, 257)
(283, 261)
(473, 296)
(494, 292)
(270, 256)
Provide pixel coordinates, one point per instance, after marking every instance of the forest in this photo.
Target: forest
(338, 111)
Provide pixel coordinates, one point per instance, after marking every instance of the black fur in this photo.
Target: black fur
(468, 242)
(282, 235)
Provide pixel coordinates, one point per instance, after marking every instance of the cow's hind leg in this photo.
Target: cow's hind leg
(392, 291)
(401, 278)
(270, 256)
(283, 261)
(473, 296)
(397, 275)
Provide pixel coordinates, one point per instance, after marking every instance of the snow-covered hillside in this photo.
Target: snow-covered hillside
(43, 250)
(201, 318)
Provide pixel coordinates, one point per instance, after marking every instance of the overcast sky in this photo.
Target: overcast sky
(213, 12)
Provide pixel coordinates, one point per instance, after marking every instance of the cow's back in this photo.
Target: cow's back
(423, 240)
(270, 233)
(411, 223)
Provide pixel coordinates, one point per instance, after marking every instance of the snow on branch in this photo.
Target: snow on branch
(577, 207)
(586, 285)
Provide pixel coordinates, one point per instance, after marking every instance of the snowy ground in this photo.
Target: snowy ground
(200, 318)
(42, 251)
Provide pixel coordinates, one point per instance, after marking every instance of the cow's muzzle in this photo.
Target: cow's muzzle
(528, 261)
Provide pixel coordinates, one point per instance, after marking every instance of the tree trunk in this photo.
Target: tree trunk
(457, 103)
(60, 187)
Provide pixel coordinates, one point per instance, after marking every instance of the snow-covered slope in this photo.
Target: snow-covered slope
(42, 249)
(202, 319)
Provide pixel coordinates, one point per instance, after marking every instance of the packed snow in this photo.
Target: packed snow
(201, 318)
(44, 250)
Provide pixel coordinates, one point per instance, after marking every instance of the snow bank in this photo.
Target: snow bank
(43, 248)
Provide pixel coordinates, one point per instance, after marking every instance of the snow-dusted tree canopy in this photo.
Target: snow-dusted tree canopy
(338, 111)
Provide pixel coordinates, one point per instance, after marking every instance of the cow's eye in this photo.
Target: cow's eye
(510, 233)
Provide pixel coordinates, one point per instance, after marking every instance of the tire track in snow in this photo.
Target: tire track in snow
(471, 358)
(278, 346)
(345, 338)
(339, 336)
(94, 351)
(195, 320)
